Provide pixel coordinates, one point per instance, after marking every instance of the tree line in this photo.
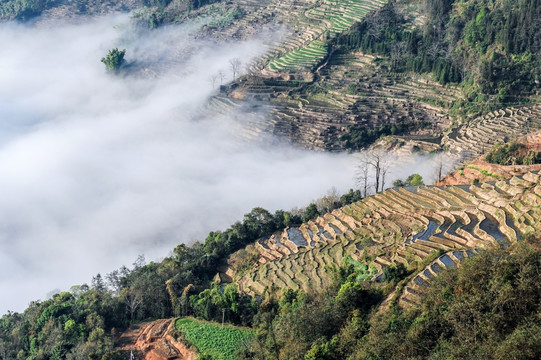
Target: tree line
(81, 324)
(23, 9)
(492, 49)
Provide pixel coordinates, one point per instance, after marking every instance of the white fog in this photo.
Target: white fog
(96, 169)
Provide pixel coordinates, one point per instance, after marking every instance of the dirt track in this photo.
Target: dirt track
(153, 341)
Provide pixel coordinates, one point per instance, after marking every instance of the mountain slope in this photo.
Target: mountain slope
(399, 226)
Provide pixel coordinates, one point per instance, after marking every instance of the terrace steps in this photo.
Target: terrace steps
(400, 226)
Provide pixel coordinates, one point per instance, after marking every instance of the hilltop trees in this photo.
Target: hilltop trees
(68, 326)
(513, 153)
(412, 180)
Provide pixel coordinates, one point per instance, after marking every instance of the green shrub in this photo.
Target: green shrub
(114, 59)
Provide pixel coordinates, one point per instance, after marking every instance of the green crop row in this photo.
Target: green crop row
(484, 172)
(341, 20)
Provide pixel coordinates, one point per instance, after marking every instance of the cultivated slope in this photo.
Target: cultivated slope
(440, 226)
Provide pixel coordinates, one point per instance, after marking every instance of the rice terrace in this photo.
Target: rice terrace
(289, 179)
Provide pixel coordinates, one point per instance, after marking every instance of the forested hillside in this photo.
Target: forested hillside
(488, 308)
(23, 9)
(416, 295)
(492, 49)
(83, 322)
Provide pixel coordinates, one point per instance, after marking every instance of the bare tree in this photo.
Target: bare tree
(235, 67)
(439, 169)
(212, 80)
(398, 52)
(376, 26)
(139, 262)
(377, 161)
(362, 175)
(328, 202)
(133, 300)
(384, 170)
(221, 76)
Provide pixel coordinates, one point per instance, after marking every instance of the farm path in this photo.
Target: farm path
(153, 341)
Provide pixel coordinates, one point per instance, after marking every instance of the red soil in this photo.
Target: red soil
(153, 341)
(532, 142)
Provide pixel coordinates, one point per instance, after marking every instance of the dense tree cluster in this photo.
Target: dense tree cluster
(513, 154)
(298, 325)
(71, 325)
(22, 9)
(114, 59)
(412, 180)
(361, 136)
(492, 48)
(489, 308)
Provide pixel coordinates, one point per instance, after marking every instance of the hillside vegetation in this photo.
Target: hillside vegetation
(487, 308)
(22, 9)
(386, 252)
(83, 322)
(394, 71)
(420, 272)
(492, 48)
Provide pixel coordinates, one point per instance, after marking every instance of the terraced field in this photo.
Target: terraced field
(401, 225)
(479, 135)
(320, 21)
(307, 24)
(353, 88)
(349, 89)
(350, 92)
(305, 57)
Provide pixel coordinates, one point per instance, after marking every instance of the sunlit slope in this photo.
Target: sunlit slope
(425, 228)
(479, 135)
(306, 27)
(319, 21)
